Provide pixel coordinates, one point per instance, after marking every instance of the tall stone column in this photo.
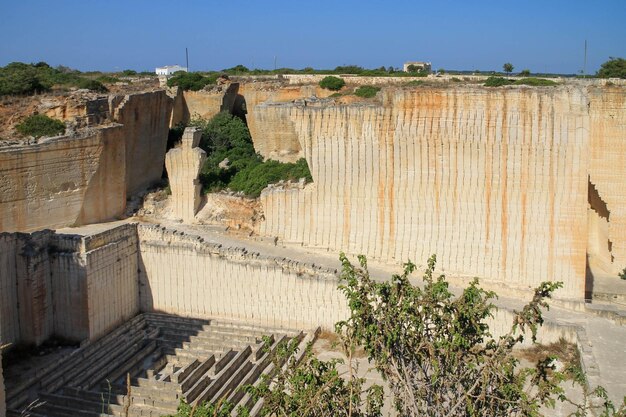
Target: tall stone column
(183, 165)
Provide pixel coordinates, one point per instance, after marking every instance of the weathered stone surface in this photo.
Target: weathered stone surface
(183, 275)
(85, 179)
(492, 181)
(183, 166)
(76, 287)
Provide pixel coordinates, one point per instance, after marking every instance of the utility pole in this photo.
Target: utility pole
(187, 58)
(274, 62)
(585, 62)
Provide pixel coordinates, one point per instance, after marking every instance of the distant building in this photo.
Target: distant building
(169, 69)
(420, 66)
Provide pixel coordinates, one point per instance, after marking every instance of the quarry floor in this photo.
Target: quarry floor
(600, 327)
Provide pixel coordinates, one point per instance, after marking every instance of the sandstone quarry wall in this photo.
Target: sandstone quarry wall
(80, 180)
(273, 132)
(607, 173)
(183, 275)
(62, 182)
(146, 119)
(75, 287)
(111, 265)
(492, 181)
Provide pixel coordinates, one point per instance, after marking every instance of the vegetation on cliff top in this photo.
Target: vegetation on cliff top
(193, 81)
(227, 141)
(366, 91)
(536, 82)
(40, 125)
(613, 68)
(433, 349)
(23, 79)
(332, 83)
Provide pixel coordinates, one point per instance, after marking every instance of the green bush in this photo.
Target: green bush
(20, 78)
(613, 68)
(191, 80)
(108, 79)
(536, 82)
(92, 85)
(366, 91)
(39, 125)
(129, 72)
(256, 176)
(497, 82)
(414, 83)
(455, 80)
(332, 83)
(228, 137)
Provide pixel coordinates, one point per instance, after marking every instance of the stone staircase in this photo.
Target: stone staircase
(147, 365)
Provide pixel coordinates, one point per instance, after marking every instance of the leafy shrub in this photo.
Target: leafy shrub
(335, 95)
(191, 80)
(39, 125)
(525, 72)
(129, 72)
(613, 68)
(93, 85)
(108, 79)
(20, 78)
(348, 69)
(256, 176)
(537, 82)
(455, 80)
(332, 83)
(228, 137)
(497, 82)
(414, 83)
(366, 91)
(622, 274)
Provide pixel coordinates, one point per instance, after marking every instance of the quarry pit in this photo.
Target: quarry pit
(515, 185)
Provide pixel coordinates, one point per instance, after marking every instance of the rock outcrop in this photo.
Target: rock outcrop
(183, 166)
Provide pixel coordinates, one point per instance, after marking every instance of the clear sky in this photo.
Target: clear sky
(543, 36)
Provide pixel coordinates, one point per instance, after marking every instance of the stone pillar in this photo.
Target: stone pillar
(183, 165)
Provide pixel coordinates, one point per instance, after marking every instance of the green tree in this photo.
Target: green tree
(524, 72)
(613, 68)
(436, 352)
(508, 67)
(332, 83)
(20, 78)
(39, 125)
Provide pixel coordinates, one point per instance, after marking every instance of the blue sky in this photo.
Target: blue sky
(543, 36)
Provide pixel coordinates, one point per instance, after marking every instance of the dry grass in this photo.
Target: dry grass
(566, 352)
(330, 341)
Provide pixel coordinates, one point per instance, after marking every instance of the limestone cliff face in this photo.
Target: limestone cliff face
(145, 118)
(607, 177)
(85, 179)
(493, 181)
(272, 130)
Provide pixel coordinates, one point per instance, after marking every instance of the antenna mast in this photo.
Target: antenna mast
(187, 58)
(585, 62)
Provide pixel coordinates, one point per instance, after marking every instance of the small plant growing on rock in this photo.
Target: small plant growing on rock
(39, 125)
(332, 83)
(622, 274)
(366, 91)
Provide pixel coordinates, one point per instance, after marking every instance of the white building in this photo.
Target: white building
(170, 69)
(417, 65)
